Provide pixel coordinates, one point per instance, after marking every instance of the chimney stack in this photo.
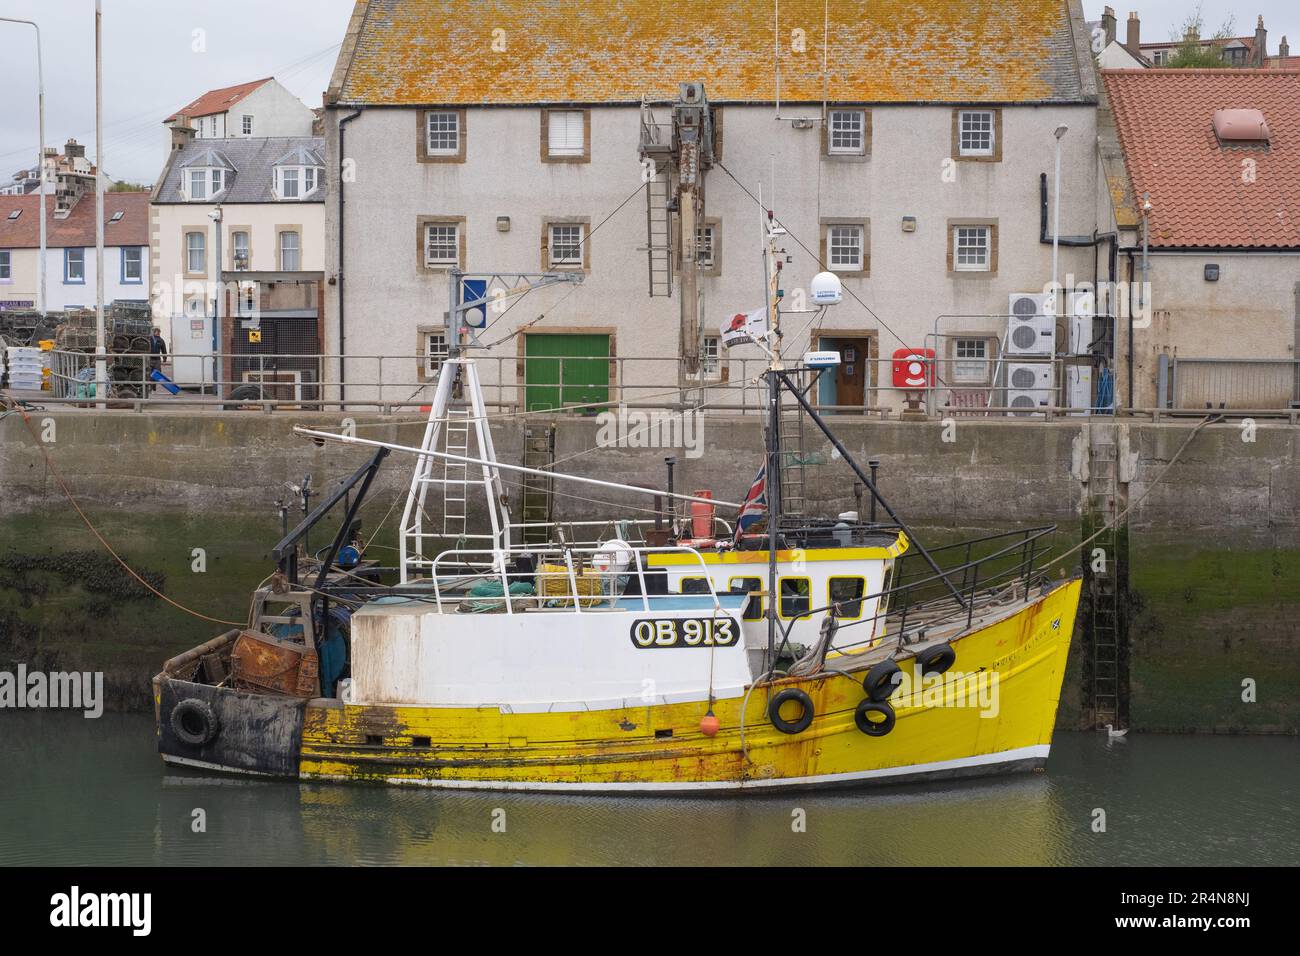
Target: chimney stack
(1283, 50)
(182, 132)
(1134, 43)
(1259, 55)
(1108, 24)
(73, 150)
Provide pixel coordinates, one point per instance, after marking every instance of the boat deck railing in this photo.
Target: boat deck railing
(981, 573)
(575, 578)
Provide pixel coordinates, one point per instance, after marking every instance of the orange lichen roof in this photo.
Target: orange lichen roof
(440, 52)
(1205, 193)
(217, 101)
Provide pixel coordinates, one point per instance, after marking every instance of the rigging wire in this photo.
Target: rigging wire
(815, 257)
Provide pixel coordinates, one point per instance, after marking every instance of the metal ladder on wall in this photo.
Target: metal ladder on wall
(659, 237)
(1103, 503)
(538, 492)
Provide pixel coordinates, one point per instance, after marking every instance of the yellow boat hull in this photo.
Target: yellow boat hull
(951, 729)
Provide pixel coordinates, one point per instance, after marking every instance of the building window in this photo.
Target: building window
(566, 136)
(6, 266)
(435, 351)
(566, 133)
(289, 183)
(976, 133)
(132, 264)
(290, 252)
(972, 247)
(566, 244)
(74, 265)
(198, 184)
(847, 133)
(970, 362)
(1160, 57)
(247, 125)
(710, 353)
(1236, 56)
(704, 242)
(441, 244)
(309, 179)
(442, 133)
(844, 246)
(239, 250)
(196, 253)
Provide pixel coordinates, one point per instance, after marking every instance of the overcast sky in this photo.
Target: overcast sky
(152, 66)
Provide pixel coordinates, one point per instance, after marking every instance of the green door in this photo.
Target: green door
(565, 370)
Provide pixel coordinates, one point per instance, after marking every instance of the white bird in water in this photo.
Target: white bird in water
(1112, 732)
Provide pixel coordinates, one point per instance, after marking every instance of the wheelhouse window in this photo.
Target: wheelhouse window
(441, 244)
(442, 133)
(566, 244)
(796, 596)
(971, 248)
(846, 133)
(196, 253)
(976, 132)
(290, 251)
(845, 597)
(844, 247)
(753, 610)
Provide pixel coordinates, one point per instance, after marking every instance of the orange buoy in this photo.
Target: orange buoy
(709, 725)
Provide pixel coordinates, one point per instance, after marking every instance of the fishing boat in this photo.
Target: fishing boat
(773, 651)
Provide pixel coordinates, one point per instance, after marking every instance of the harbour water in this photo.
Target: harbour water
(77, 791)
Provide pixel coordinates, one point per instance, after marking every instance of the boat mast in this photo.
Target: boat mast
(772, 302)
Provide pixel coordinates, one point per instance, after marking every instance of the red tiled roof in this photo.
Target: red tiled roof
(1205, 194)
(218, 101)
(79, 228)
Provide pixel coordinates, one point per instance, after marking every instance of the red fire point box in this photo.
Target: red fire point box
(914, 368)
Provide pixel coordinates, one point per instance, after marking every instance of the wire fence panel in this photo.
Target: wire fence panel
(1235, 383)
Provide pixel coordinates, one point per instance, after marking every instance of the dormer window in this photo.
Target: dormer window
(204, 183)
(297, 182)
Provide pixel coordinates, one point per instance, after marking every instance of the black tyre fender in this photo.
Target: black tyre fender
(935, 660)
(195, 722)
(790, 726)
(882, 680)
(874, 728)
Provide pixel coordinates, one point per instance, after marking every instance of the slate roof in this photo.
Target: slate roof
(253, 160)
(218, 101)
(438, 52)
(1205, 194)
(79, 228)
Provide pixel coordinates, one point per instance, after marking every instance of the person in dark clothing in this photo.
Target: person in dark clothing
(157, 349)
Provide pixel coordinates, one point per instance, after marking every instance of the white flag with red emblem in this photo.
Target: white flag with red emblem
(744, 327)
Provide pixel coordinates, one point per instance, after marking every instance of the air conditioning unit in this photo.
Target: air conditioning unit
(1078, 389)
(1031, 324)
(1081, 307)
(1029, 388)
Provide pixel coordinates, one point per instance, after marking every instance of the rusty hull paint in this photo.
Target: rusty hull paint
(618, 746)
(426, 52)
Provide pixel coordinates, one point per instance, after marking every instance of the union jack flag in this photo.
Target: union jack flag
(755, 507)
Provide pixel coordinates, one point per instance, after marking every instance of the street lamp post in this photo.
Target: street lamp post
(40, 158)
(101, 365)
